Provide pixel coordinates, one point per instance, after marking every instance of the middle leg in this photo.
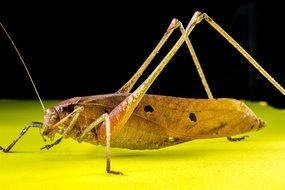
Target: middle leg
(103, 118)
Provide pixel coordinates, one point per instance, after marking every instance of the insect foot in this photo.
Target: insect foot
(115, 172)
(236, 139)
(48, 146)
(4, 150)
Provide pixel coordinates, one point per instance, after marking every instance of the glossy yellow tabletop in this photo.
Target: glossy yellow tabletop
(256, 163)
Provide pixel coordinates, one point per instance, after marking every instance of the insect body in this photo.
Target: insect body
(152, 125)
(136, 120)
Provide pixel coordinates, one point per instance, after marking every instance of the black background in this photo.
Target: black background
(78, 49)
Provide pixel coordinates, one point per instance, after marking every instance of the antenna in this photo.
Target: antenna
(24, 64)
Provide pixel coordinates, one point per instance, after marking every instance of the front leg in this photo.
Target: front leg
(75, 114)
(33, 124)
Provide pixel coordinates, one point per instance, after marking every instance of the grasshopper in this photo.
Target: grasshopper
(136, 120)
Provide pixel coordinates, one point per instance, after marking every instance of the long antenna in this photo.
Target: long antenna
(24, 64)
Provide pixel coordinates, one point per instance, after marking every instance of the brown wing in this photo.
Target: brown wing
(160, 121)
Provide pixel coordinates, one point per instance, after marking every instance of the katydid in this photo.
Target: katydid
(136, 120)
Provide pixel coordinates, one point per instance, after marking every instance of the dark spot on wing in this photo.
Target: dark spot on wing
(105, 111)
(192, 117)
(148, 108)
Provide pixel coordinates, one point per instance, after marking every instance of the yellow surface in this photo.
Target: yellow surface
(257, 163)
